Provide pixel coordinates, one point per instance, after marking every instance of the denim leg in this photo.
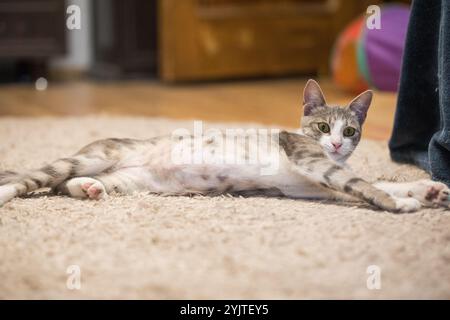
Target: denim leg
(439, 148)
(417, 116)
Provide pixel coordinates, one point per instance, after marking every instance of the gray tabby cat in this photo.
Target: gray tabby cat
(311, 165)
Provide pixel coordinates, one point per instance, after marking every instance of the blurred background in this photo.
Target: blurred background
(219, 60)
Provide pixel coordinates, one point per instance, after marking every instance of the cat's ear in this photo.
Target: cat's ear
(312, 97)
(361, 104)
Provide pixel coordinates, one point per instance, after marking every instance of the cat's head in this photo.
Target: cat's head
(337, 129)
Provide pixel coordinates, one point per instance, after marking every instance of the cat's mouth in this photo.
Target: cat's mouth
(332, 151)
(335, 152)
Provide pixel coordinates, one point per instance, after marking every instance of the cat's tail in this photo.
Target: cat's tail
(8, 177)
(13, 184)
(91, 160)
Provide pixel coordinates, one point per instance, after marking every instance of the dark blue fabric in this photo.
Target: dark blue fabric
(421, 133)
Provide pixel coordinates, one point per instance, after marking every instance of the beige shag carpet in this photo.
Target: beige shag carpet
(147, 246)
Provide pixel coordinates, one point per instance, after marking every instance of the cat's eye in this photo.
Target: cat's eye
(349, 132)
(324, 127)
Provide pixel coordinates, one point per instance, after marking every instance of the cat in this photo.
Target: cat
(311, 165)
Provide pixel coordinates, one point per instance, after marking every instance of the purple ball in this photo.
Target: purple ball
(382, 49)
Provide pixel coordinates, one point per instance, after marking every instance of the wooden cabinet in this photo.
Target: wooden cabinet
(124, 38)
(207, 39)
(32, 28)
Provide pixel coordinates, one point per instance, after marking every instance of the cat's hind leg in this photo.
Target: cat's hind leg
(123, 181)
(83, 188)
(52, 175)
(429, 193)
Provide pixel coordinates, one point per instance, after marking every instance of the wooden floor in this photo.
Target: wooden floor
(275, 102)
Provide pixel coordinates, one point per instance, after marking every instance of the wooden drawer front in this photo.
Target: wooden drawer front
(223, 9)
(239, 48)
(203, 39)
(32, 28)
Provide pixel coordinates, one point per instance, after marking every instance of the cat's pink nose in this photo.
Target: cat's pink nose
(336, 145)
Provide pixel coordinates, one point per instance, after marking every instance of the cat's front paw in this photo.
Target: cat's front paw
(407, 204)
(430, 193)
(85, 187)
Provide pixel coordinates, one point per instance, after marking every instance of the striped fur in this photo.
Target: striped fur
(311, 165)
(93, 159)
(309, 160)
